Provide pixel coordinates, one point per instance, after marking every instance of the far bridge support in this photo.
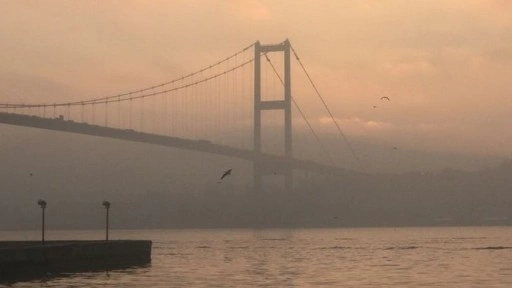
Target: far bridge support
(260, 169)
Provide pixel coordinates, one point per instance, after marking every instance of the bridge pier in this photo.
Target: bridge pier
(284, 105)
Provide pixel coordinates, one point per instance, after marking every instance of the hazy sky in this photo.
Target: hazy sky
(446, 65)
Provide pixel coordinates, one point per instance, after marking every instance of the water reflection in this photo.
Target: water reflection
(74, 274)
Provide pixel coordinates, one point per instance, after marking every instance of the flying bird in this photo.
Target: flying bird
(228, 172)
(384, 98)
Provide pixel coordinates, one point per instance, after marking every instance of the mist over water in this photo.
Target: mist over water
(157, 187)
(370, 257)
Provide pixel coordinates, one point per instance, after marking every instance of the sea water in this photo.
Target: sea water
(335, 257)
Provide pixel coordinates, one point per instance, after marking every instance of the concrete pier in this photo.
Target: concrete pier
(31, 259)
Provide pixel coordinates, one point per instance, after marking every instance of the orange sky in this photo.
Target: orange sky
(446, 65)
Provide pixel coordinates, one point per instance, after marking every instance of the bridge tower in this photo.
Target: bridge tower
(261, 167)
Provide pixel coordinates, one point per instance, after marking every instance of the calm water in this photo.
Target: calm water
(374, 257)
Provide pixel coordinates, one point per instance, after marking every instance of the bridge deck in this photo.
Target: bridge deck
(168, 141)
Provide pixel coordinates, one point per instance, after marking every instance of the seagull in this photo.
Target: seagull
(228, 172)
(384, 98)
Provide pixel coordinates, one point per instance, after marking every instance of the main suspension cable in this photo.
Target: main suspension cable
(102, 100)
(352, 151)
(302, 114)
(116, 98)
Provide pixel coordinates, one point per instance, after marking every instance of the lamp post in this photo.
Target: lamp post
(42, 204)
(106, 204)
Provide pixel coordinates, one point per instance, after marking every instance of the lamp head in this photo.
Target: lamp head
(106, 204)
(41, 203)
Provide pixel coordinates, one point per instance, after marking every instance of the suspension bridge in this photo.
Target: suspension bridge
(225, 108)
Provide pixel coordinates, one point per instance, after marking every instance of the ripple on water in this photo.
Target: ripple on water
(334, 248)
(493, 248)
(402, 248)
